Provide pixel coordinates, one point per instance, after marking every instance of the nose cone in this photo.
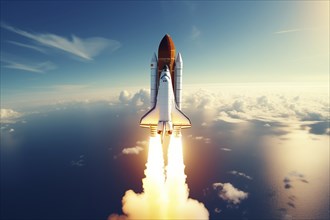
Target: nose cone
(166, 56)
(166, 48)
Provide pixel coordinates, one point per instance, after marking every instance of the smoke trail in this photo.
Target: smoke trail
(162, 198)
(179, 205)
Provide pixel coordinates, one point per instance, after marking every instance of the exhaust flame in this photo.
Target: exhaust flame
(164, 196)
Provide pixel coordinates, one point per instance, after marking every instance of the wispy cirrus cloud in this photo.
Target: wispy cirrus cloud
(30, 67)
(289, 31)
(85, 49)
(28, 46)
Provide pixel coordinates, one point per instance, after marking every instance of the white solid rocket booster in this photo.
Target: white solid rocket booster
(153, 80)
(178, 80)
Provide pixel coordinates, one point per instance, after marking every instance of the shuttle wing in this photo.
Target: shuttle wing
(180, 119)
(151, 118)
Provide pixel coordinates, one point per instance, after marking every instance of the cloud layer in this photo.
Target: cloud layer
(8, 115)
(140, 99)
(270, 105)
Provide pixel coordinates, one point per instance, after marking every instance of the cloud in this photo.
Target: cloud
(140, 99)
(201, 100)
(195, 33)
(142, 143)
(124, 97)
(277, 104)
(135, 150)
(80, 162)
(86, 49)
(225, 149)
(31, 67)
(319, 127)
(236, 173)
(229, 193)
(132, 150)
(11, 130)
(39, 49)
(201, 138)
(9, 115)
(289, 30)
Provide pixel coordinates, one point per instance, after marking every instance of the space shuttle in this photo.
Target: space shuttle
(165, 116)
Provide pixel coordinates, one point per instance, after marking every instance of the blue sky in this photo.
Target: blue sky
(59, 48)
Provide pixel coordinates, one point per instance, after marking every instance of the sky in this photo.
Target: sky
(76, 49)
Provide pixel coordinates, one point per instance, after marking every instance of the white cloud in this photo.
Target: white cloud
(30, 67)
(201, 138)
(230, 117)
(195, 33)
(11, 130)
(236, 173)
(289, 30)
(140, 99)
(201, 99)
(8, 115)
(229, 193)
(124, 97)
(86, 49)
(217, 210)
(132, 150)
(136, 149)
(225, 149)
(142, 143)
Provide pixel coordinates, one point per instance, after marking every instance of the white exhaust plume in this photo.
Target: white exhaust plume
(162, 198)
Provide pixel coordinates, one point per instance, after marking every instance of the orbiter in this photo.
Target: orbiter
(165, 115)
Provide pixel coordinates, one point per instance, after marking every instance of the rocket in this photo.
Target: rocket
(165, 116)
